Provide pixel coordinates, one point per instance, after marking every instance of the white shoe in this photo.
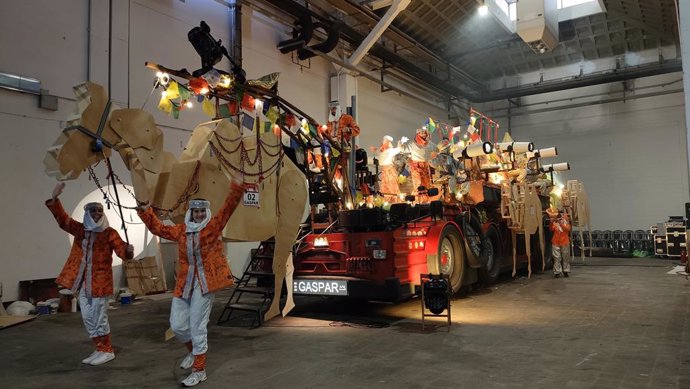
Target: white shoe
(101, 358)
(194, 378)
(187, 361)
(88, 359)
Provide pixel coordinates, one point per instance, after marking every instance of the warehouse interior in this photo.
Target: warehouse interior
(604, 83)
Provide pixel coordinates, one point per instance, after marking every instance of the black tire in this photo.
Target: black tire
(451, 257)
(491, 257)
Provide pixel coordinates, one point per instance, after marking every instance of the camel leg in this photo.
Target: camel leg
(289, 300)
(512, 232)
(529, 254)
(589, 229)
(582, 244)
(292, 196)
(542, 245)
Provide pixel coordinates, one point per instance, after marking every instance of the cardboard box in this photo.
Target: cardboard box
(144, 277)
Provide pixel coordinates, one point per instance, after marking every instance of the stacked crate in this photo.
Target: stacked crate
(676, 238)
(659, 234)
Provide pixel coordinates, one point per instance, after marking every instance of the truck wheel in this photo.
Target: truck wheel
(491, 254)
(451, 258)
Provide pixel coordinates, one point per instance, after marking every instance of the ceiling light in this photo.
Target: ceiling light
(483, 10)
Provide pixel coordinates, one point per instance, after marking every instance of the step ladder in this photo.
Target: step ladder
(254, 290)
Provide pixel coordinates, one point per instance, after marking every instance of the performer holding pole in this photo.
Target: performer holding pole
(203, 269)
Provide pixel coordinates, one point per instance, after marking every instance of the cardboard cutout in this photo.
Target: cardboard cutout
(215, 152)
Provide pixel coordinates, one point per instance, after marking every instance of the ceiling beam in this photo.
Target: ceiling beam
(383, 23)
(624, 74)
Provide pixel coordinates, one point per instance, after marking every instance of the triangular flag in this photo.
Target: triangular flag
(209, 107)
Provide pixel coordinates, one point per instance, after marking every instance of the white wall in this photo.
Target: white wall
(60, 51)
(390, 114)
(631, 155)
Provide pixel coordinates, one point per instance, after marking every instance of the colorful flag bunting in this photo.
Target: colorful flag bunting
(248, 122)
(208, 107)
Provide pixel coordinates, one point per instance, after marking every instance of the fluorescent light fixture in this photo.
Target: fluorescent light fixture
(20, 83)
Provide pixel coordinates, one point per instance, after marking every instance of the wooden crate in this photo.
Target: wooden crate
(144, 277)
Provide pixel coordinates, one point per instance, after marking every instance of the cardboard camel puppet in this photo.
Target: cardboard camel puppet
(576, 205)
(521, 206)
(216, 152)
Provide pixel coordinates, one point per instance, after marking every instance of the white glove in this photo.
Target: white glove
(404, 139)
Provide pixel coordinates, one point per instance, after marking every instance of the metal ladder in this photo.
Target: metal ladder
(254, 290)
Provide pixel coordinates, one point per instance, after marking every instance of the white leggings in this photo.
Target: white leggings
(189, 319)
(94, 313)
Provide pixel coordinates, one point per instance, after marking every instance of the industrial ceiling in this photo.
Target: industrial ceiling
(447, 48)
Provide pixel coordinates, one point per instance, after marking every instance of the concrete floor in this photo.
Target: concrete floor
(616, 323)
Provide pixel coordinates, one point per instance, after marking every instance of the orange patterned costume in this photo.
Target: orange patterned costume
(214, 273)
(89, 272)
(104, 244)
(345, 122)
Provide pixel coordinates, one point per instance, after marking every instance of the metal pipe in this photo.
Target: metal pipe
(110, 46)
(88, 43)
(235, 15)
(628, 73)
(598, 102)
(582, 96)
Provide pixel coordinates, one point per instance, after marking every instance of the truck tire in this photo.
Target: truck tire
(491, 252)
(451, 257)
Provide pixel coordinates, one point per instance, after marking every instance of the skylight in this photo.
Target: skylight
(572, 3)
(506, 10)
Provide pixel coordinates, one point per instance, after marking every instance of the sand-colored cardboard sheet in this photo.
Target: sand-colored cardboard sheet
(9, 321)
(75, 155)
(197, 144)
(136, 127)
(71, 153)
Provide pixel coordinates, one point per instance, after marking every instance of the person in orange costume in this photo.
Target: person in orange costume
(203, 269)
(421, 152)
(89, 270)
(341, 126)
(560, 225)
(388, 181)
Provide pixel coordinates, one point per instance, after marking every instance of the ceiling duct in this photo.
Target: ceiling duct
(537, 24)
(302, 33)
(326, 46)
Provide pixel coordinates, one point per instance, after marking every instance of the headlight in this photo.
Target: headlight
(321, 242)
